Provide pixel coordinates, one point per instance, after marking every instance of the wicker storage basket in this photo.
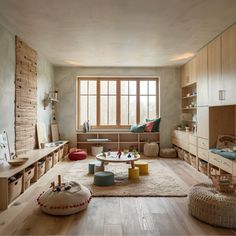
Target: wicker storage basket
(187, 157)
(214, 171)
(193, 160)
(65, 149)
(14, 187)
(28, 175)
(48, 163)
(55, 157)
(180, 153)
(61, 154)
(225, 183)
(41, 168)
(203, 167)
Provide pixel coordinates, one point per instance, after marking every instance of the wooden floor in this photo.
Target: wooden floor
(110, 216)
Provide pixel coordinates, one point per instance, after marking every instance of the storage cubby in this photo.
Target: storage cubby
(15, 180)
(116, 140)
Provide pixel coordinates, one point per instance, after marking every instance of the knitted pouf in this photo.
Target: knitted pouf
(143, 167)
(66, 200)
(211, 206)
(77, 155)
(133, 173)
(104, 178)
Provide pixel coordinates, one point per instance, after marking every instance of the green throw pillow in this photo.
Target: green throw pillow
(156, 126)
(137, 128)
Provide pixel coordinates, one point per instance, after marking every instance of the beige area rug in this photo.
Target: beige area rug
(161, 181)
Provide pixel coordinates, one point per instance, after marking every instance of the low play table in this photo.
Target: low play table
(129, 158)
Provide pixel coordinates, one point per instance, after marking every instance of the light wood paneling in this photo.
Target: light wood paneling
(202, 78)
(26, 97)
(229, 64)
(214, 71)
(203, 122)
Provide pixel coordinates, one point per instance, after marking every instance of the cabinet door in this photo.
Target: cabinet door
(185, 75)
(203, 122)
(229, 64)
(215, 81)
(202, 78)
(192, 71)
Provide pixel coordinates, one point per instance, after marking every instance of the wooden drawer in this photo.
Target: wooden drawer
(215, 160)
(175, 134)
(193, 140)
(183, 144)
(193, 149)
(185, 137)
(227, 165)
(203, 143)
(203, 154)
(174, 141)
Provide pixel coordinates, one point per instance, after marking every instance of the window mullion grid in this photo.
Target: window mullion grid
(108, 102)
(128, 105)
(147, 99)
(87, 100)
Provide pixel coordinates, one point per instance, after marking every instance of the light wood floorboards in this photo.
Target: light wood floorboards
(110, 216)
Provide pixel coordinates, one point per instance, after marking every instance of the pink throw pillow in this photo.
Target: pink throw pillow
(149, 126)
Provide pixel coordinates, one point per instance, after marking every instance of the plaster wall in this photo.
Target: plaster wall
(45, 82)
(170, 96)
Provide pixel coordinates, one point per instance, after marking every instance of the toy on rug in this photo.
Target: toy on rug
(64, 198)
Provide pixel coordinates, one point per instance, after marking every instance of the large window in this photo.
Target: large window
(117, 102)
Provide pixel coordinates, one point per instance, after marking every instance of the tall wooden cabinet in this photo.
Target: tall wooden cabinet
(229, 65)
(216, 86)
(202, 77)
(188, 73)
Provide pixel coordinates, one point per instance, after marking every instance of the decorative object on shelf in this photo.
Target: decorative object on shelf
(4, 147)
(41, 134)
(187, 129)
(212, 207)
(51, 98)
(151, 149)
(86, 127)
(55, 132)
(18, 161)
(225, 141)
(225, 183)
(64, 198)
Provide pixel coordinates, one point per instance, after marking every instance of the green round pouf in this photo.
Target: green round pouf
(104, 178)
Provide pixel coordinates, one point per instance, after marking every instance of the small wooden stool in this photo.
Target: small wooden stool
(133, 173)
(143, 167)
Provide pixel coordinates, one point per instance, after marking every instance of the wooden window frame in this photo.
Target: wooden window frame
(118, 100)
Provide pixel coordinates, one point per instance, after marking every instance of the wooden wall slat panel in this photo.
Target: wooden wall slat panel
(26, 97)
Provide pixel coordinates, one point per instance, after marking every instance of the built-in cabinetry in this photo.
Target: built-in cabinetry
(188, 73)
(15, 180)
(222, 68)
(116, 140)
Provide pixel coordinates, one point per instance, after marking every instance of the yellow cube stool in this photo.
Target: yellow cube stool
(143, 167)
(133, 173)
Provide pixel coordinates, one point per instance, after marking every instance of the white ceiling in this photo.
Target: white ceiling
(140, 33)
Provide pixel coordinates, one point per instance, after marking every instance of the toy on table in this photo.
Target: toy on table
(129, 155)
(104, 154)
(119, 154)
(109, 152)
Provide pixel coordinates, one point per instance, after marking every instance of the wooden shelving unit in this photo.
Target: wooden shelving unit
(117, 140)
(189, 104)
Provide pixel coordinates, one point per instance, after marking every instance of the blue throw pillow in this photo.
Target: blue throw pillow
(137, 128)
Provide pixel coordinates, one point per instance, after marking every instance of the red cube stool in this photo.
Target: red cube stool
(77, 155)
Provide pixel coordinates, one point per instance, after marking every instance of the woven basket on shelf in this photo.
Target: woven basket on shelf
(225, 183)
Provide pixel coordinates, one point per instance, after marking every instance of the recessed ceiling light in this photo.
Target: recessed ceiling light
(71, 62)
(183, 56)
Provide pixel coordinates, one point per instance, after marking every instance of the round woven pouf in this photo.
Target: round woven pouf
(66, 199)
(211, 206)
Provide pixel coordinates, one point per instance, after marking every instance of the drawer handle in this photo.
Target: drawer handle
(16, 182)
(29, 172)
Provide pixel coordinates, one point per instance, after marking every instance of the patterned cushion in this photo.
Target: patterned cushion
(156, 126)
